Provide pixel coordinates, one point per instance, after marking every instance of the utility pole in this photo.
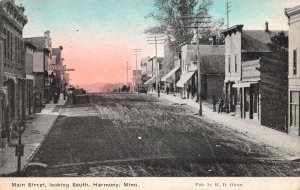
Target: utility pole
(156, 39)
(196, 23)
(136, 52)
(228, 6)
(127, 68)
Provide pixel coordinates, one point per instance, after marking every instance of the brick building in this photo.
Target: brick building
(12, 72)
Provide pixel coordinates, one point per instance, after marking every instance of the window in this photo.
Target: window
(8, 45)
(5, 43)
(229, 69)
(294, 108)
(11, 46)
(235, 63)
(295, 62)
(16, 49)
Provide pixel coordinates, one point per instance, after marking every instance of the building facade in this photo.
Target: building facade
(253, 89)
(29, 51)
(13, 73)
(212, 70)
(293, 15)
(41, 59)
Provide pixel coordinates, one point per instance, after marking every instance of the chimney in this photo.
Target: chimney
(267, 26)
(214, 40)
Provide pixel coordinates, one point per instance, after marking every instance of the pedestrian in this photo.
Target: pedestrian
(214, 103)
(188, 90)
(168, 90)
(221, 104)
(56, 93)
(194, 89)
(65, 93)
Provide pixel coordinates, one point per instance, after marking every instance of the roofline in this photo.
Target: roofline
(232, 29)
(31, 44)
(292, 11)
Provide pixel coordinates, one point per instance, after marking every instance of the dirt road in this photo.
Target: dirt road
(139, 135)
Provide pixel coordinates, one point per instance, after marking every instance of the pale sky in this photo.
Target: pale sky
(98, 35)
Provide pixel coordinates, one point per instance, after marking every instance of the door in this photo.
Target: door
(294, 113)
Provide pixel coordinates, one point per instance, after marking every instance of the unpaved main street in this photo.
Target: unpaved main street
(139, 135)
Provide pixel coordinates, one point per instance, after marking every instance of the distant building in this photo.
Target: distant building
(254, 89)
(153, 63)
(57, 60)
(12, 68)
(212, 70)
(294, 69)
(29, 51)
(144, 67)
(41, 59)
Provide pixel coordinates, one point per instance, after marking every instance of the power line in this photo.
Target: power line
(127, 68)
(136, 52)
(156, 39)
(196, 25)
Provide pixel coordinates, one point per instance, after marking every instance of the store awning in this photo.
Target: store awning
(169, 75)
(243, 84)
(184, 78)
(151, 80)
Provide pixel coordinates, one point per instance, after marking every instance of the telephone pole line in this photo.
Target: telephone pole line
(228, 6)
(136, 52)
(156, 39)
(127, 68)
(197, 22)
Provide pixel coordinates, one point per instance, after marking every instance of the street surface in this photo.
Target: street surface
(139, 135)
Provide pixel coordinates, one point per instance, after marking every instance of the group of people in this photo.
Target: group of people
(191, 89)
(220, 101)
(56, 90)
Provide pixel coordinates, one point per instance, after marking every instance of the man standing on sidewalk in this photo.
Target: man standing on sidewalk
(221, 104)
(214, 103)
(188, 90)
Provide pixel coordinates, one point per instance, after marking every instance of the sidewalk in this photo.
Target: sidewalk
(287, 144)
(32, 137)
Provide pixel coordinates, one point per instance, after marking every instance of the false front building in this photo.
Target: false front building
(255, 77)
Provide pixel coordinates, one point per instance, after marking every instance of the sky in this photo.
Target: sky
(98, 35)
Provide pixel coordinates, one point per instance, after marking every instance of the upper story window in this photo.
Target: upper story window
(5, 43)
(235, 63)
(229, 65)
(295, 56)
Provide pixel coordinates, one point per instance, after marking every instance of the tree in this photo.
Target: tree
(280, 41)
(171, 20)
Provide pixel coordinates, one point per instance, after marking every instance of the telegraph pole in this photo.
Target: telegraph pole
(127, 68)
(156, 39)
(228, 6)
(136, 52)
(196, 23)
